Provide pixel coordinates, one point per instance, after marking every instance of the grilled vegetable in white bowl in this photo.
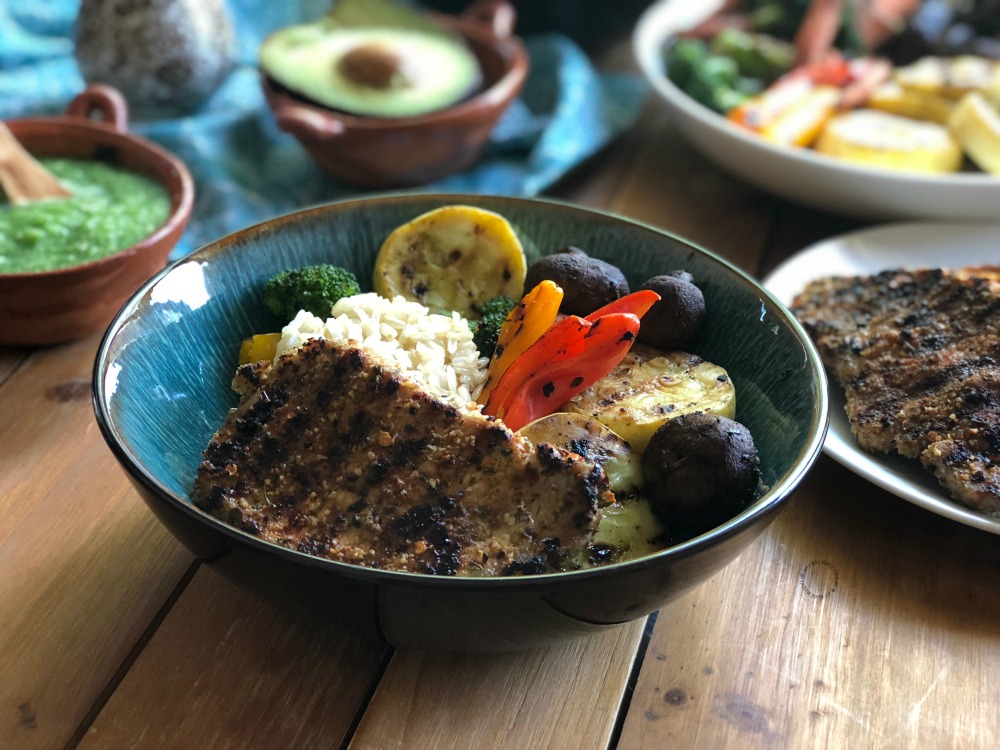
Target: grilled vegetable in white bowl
(798, 174)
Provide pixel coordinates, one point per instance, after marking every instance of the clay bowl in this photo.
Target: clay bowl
(379, 152)
(51, 307)
(162, 387)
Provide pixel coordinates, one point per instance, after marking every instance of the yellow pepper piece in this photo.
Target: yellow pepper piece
(790, 113)
(258, 347)
(525, 324)
(802, 121)
(762, 110)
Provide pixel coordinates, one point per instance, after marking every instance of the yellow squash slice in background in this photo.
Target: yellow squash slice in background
(950, 77)
(918, 105)
(878, 139)
(976, 126)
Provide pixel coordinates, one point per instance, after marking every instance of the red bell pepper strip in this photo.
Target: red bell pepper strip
(562, 341)
(637, 303)
(573, 355)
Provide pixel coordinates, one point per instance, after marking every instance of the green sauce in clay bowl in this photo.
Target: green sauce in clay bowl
(111, 209)
(68, 264)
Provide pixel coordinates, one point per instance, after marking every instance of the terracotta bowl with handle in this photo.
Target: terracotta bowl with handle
(383, 152)
(51, 307)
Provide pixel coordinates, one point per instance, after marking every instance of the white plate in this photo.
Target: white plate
(913, 245)
(800, 174)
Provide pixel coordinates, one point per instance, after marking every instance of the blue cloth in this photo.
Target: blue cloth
(247, 171)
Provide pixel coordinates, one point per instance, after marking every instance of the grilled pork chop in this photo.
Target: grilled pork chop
(335, 456)
(917, 353)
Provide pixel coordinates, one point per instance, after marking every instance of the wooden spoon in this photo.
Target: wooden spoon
(23, 179)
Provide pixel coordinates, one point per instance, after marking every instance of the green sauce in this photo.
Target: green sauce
(111, 209)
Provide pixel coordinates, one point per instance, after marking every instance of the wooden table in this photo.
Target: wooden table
(857, 620)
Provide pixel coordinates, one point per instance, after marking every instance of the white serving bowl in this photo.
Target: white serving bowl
(800, 174)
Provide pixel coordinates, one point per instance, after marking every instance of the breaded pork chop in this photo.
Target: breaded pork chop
(917, 353)
(335, 456)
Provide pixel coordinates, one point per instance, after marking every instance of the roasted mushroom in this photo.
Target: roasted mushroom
(587, 283)
(673, 322)
(699, 470)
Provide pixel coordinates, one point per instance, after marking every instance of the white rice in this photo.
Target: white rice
(434, 350)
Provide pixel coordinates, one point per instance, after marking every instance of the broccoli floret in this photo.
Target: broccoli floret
(501, 305)
(486, 330)
(312, 288)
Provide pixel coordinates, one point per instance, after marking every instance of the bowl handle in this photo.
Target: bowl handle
(108, 101)
(302, 122)
(499, 16)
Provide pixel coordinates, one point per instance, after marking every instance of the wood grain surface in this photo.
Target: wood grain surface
(674, 188)
(856, 621)
(84, 566)
(10, 359)
(510, 700)
(227, 670)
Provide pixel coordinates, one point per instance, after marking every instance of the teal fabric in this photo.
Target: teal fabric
(247, 171)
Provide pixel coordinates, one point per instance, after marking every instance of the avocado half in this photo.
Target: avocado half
(376, 72)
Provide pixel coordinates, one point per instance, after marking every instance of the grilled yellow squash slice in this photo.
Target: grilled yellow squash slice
(589, 438)
(650, 387)
(452, 258)
(259, 346)
(917, 105)
(631, 527)
(878, 139)
(628, 524)
(950, 77)
(976, 126)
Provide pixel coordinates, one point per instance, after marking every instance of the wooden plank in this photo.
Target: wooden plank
(673, 187)
(858, 620)
(564, 696)
(84, 566)
(10, 359)
(227, 669)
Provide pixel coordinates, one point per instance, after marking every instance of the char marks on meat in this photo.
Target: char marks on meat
(917, 353)
(337, 457)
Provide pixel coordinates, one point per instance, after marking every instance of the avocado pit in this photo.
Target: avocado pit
(375, 65)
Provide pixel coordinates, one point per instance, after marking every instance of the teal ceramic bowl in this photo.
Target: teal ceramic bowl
(161, 385)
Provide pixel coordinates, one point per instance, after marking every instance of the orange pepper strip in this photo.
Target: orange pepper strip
(801, 123)
(562, 341)
(530, 318)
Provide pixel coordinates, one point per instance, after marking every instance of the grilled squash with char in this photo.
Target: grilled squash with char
(452, 258)
(628, 524)
(587, 437)
(650, 387)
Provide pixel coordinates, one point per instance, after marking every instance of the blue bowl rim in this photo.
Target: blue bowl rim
(769, 502)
